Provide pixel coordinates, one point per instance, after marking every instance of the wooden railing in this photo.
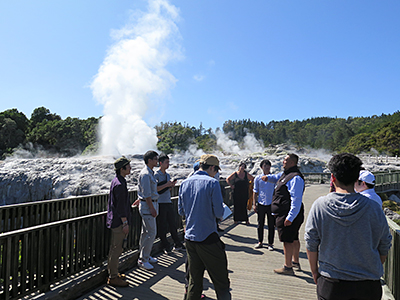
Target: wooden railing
(387, 181)
(392, 263)
(34, 258)
(31, 259)
(45, 241)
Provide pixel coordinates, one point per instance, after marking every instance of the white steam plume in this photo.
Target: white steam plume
(250, 144)
(133, 76)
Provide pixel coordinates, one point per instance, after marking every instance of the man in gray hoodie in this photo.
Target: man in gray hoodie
(348, 236)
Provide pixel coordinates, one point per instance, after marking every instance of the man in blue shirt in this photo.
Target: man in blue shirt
(288, 209)
(262, 199)
(200, 201)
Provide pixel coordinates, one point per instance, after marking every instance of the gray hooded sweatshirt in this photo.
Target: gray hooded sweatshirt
(350, 232)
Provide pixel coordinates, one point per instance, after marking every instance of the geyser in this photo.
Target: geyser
(133, 78)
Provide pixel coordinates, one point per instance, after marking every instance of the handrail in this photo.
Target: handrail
(392, 263)
(24, 215)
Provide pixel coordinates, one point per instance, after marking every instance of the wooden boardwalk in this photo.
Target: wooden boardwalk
(250, 270)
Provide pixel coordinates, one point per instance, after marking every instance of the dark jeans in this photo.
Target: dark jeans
(165, 219)
(213, 258)
(263, 210)
(334, 289)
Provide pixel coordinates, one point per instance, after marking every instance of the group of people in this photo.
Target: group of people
(347, 235)
(155, 208)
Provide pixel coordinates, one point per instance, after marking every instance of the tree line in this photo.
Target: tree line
(72, 136)
(46, 131)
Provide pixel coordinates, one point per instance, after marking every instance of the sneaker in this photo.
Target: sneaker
(258, 246)
(152, 260)
(167, 251)
(271, 247)
(296, 265)
(117, 282)
(145, 265)
(284, 271)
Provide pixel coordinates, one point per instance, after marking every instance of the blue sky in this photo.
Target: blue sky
(260, 60)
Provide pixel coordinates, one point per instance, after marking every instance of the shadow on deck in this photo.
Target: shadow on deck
(250, 270)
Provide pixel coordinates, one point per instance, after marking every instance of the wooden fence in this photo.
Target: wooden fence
(392, 263)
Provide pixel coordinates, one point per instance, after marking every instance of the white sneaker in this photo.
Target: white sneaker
(153, 260)
(145, 265)
(270, 247)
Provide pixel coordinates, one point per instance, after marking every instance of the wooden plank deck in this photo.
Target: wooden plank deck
(251, 270)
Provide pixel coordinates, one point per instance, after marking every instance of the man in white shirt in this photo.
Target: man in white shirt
(365, 185)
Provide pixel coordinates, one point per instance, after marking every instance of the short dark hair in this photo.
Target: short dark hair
(345, 167)
(205, 167)
(370, 186)
(163, 157)
(243, 164)
(265, 162)
(149, 155)
(294, 158)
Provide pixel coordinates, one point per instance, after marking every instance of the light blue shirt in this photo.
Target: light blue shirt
(200, 201)
(295, 187)
(371, 194)
(166, 196)
(147, 187)
(265, 190)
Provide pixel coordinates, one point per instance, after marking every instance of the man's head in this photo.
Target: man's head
(164, 161)
(265, 165)
(345, 167)
(151, 158)
(366, 181)
(122, 166)
(290, 161)
(210, 164)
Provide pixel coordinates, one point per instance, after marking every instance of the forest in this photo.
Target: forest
(72, 136)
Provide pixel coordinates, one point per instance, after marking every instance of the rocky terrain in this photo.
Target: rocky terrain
(31, 179)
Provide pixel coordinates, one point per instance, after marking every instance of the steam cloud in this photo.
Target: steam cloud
(133, 76)
(250, 144)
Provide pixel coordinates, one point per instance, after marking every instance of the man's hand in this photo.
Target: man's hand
(125, 229)
(136, 203)
(287, 223)
(316, 276)
(255, 208)
(264, 178)
(153, 212)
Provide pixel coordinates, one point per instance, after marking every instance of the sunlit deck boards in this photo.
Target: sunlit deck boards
(251, 270)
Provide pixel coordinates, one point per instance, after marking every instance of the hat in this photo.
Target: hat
(209, 159)
(121, 162)
(367, 176)
(196, 165)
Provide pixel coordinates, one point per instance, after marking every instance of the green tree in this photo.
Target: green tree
(41, 114)
(13, 127)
